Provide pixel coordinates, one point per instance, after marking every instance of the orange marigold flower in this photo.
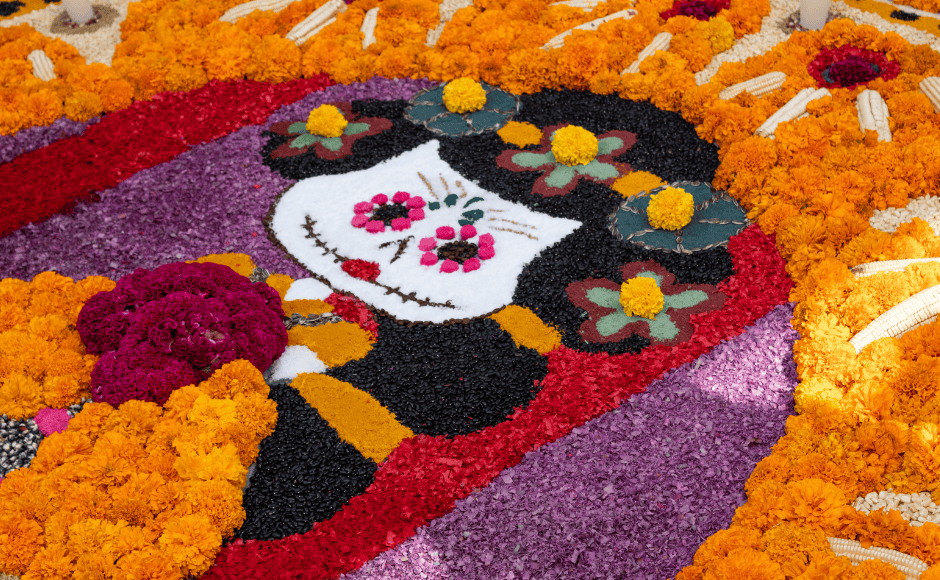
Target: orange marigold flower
(814, 503)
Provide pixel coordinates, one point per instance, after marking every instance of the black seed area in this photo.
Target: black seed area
(388, 212)
(304, 474)
(905, 16)
(459, 252)
(447, 380)
(10, 8)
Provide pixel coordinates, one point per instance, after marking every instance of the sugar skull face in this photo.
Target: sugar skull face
(445, 249)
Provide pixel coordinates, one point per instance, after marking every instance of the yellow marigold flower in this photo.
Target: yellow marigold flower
(326, 121)
(464, 95)
(671, 209)
(641, 296)
(574, 145)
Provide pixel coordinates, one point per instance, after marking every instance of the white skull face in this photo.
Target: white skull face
(445, 248)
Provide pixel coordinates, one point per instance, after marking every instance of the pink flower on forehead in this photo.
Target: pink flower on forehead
(380, 212)
(465, 253)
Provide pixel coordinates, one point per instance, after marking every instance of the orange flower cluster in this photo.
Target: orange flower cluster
(79, 91)
(867, 422)
(42, 359)
(139, 491)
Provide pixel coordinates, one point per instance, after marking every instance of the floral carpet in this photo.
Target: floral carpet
(470, 307)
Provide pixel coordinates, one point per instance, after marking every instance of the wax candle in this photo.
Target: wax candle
(79, 10)
(813, 13)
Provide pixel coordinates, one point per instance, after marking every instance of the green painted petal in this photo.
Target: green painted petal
(298, 127)
(532, 160)
(608, 144)
(613, 323)
(304, 140)
(599, 171)
(332, 143)
(356, 128)
(560, 176)
(604, 297)
(662, 327)
(653, 275)
(687, 299)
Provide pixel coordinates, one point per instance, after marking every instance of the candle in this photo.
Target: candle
(813, 13)
(79, 10)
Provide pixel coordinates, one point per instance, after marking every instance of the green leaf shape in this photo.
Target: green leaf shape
(451, 200)
(464, 222)
(332, 143)
(560, 176)
(604, 297)
(298, 127)
(473, 215)
(686, 299)
(356, 128)
(662, 327)
(608, 145)
(613, 323)
(434, 205)
(531, 160)
(305, 140)
(472, 201)
(597, 170)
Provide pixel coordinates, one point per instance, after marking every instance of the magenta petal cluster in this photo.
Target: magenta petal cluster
(464, 255)
(163, 329)
(378, 213)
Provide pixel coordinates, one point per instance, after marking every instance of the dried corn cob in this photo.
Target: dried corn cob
(660, 42)
(242, 10)
(447, 10)
(43, 69)
(368, 27)
(586, 5)
(930, 86)
(559, 41)
(317, 21)
(873, 114)
(870, 268)
(434, 34)
(757, 86)
(920, 309)
(907, 565)
(793, 109)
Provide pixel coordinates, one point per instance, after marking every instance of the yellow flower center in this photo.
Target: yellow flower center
(641, 296)
(326, 121)
(573, 145)
(464, 95)
(671, 209)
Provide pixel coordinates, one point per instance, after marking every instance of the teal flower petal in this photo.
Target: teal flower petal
(686, 299)
(597, 170)
(453, 125)
(662, 327)
(604, 297)
(608, 144)
(613, 323)
(435, 95)
(500, 101)
(423, 113)
(482, 120)
(560, 176)
(530, 160)
(657, 238)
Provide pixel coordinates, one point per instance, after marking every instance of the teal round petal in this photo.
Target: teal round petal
(629, 222)
(422, 113)
(500, 101)
(699, 235)
(435, 95)
(453, 125)
(658, 239)
(723, 210)
(486, 120)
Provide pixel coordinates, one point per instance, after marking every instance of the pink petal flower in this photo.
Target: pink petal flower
(427, 244)
(449, 266)
(485, 252)
(401, 197)
(416, 215)
(375, 227)
(380, 199)
(468, 232)
(486, 240)
(360, 221)
(445, 233)
(51, 420)
(363, 207)
(399, 224)
(428, 259)
(471, 265)
(415, 202)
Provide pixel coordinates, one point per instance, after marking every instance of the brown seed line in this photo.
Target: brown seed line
(428, 185)
(464, 191)
(514, 223)
(530, 236)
